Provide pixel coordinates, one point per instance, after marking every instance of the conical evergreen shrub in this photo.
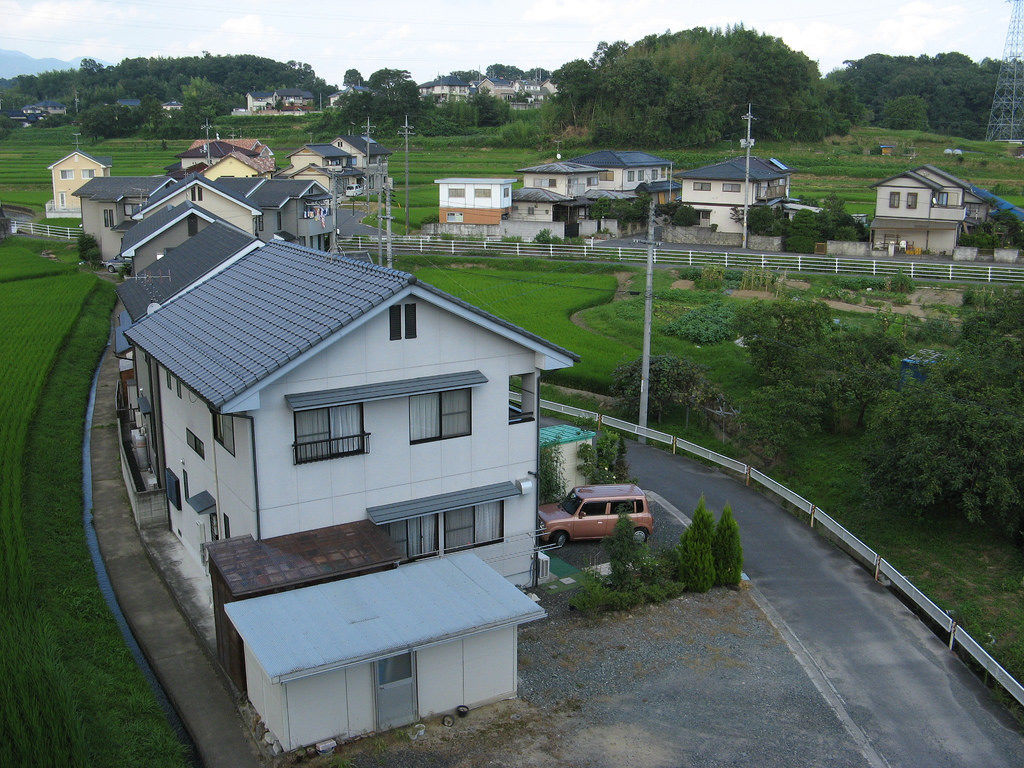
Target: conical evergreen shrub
(727, 550)
(696, 562)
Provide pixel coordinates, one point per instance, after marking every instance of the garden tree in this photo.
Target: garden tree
(673, 380)
(202, 100)
(696, 562)
(806, 228)
(151, 113)
(956, 90)
(1002, 230)
(625, 554)
(909, 112)
(394, 96)
(802, 232)
(628, 211)
(779, 416)
(489, 110)
(550, 477)
(691, 87)
(505, 71)
(352, 77)
(605, 462)
(783, 338)
(469, 75)
(858, 366)
(727, 550)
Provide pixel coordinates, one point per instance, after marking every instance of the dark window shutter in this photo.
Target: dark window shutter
(173, 488)
(410, 321)
(396, 322)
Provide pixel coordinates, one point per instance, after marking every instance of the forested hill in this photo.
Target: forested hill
(166, 79)
(948, 93)
(692, 87)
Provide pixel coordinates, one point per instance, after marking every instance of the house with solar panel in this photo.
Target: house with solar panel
(925, 209)
(624, 170)
(337, 448)
(717, 190)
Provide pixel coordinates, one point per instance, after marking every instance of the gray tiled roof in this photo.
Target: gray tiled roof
(223, 188)
(538, 195)
(359, 142)
(565, 166)
(274, 193)
(613, 158)
(734, 169)
(156, 221)
(182, 266)
(265, 310)
(106, 188)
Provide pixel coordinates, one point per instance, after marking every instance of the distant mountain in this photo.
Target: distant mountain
(13, 63)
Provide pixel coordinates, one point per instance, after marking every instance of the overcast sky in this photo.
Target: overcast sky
(430, 38)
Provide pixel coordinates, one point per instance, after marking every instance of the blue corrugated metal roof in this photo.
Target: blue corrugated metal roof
(564, 433)
(329, 626)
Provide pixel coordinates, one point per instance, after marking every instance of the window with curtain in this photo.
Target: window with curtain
(473, 526)
(326, 433)
(440, 415)
(416, 537)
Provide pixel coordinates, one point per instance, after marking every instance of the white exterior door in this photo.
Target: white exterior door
(396, 691)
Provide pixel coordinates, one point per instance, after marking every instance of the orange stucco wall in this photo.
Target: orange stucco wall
(474, 215)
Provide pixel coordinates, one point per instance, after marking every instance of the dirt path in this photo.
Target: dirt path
(907, 309)
(623, 281)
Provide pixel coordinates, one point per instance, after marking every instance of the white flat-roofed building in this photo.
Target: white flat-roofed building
(474, 201)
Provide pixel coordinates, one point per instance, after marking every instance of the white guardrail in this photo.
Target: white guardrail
(44, 230)
(790, 262)
(860, 551)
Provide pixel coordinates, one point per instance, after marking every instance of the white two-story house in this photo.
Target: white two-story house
(717, 190)
(623, 171)
(313, 401)
(924, 208)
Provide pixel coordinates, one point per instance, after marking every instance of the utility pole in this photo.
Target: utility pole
(645, 361)
(207, 126)
(335, 239)
(405, 131)
(746, 144)
(380, 239)
(367, 161)
(387, 218)
(76, 138)
(558, 149)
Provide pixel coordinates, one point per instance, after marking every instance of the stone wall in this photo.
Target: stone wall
(709, 236)
(965, 253)
(848, 248)
(530, 229)
(432, 229)
(1006, 255)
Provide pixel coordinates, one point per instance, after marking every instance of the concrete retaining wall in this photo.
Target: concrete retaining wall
(530, 229)
(965, 253)
(1006, 255)
(849, 248)
(461, 230)
(148, 507)
(709, 236)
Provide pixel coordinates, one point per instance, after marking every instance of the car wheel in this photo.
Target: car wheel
(558, 538)
(639, 535)
(111, 268)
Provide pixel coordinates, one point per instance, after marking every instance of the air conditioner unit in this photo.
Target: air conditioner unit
(543, 568)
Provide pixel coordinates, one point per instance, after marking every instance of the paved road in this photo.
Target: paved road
(906, 696)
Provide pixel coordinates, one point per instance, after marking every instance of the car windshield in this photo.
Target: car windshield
(570, 503)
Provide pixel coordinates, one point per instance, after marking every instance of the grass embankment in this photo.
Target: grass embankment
(72, 694)
(971, 570)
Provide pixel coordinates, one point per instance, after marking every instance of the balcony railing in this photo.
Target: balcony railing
(331, 448)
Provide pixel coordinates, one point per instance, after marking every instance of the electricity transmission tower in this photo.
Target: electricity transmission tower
(1006, 122)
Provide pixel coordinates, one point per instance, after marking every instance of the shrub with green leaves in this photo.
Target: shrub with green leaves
(89, 249)
(901, 282)
(696, 562)
(711, 278)
(727, 550)
(709, 324)
(606, 462)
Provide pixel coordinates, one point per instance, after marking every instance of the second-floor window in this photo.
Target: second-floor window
(440, 415)
(88, 173)
(942, 198)
(197, 194)
(68, 174)
(108, 218)
(483, 192)
(258, 223)
(730, 186)
(911, 199)
(702, 186)
(395, 321)
(630, 175)
(894, 199)
(640, 175)
(195, 444)
(224, 431)
(457, 192)
(326, 433)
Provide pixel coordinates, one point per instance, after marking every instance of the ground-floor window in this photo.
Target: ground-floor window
(449, 531)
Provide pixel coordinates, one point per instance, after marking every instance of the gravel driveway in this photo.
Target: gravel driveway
(704, 680)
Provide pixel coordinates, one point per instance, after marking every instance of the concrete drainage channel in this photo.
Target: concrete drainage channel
(106, 588)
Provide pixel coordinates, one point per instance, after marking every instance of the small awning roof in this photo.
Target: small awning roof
(203, 503)
(329, 626)
(384, 390)
(144, 404)
(429, 505)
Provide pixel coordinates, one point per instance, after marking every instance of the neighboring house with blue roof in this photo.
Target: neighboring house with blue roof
(129, 103)
(717, 190)
(924, 209)
(624, 170)
(45, 107)
(314, 418)
(446, 88)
